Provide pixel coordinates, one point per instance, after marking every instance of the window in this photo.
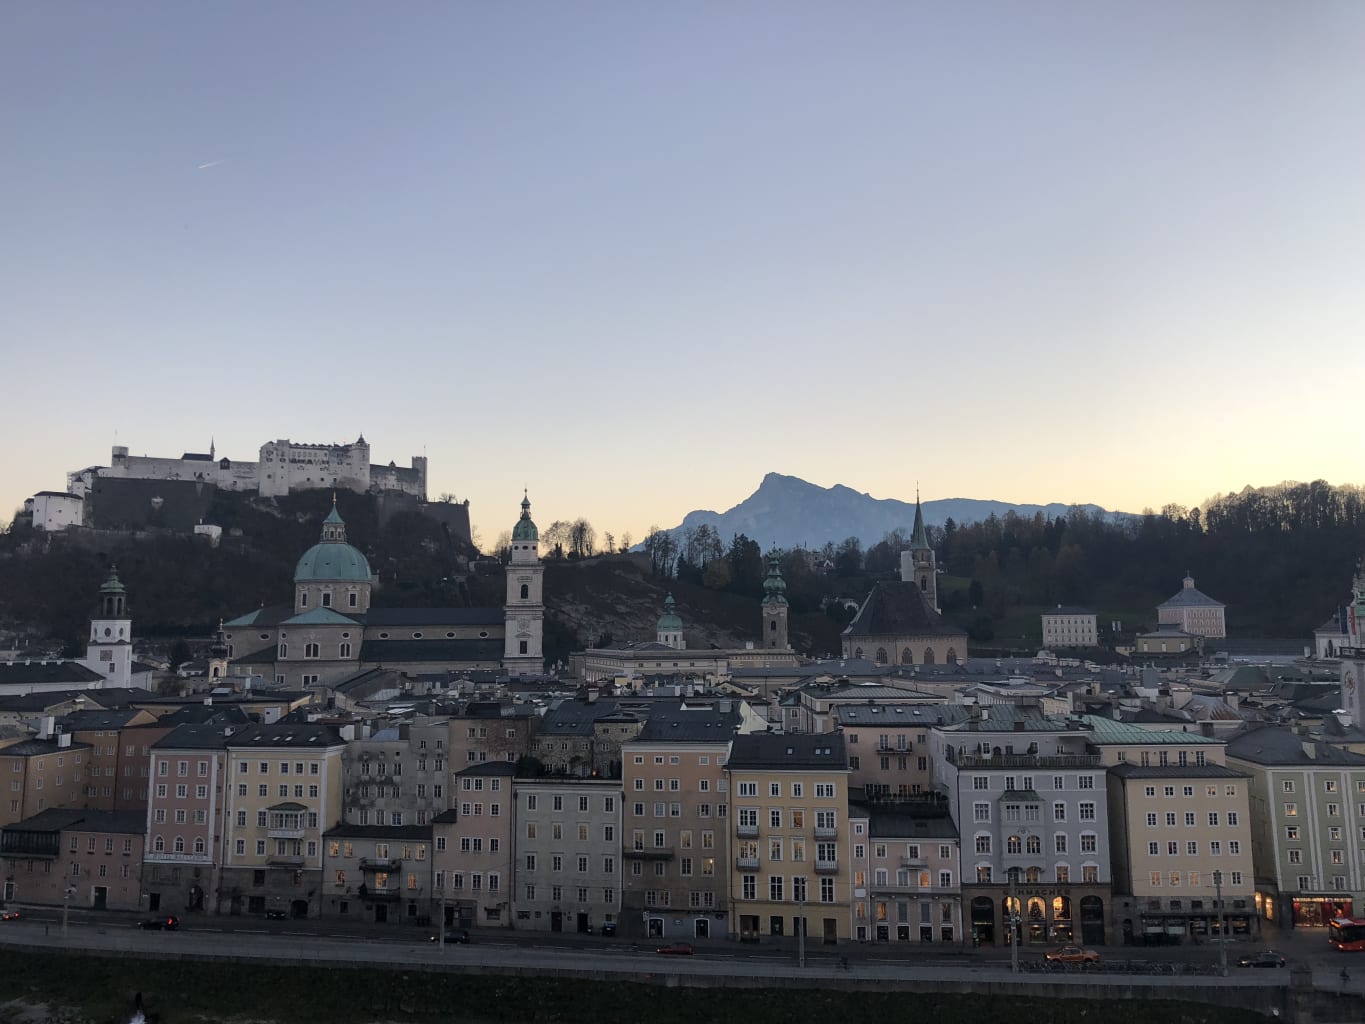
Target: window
(1087, 811)
(1059, 812)
(981, 811)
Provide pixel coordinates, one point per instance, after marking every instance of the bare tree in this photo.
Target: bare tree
(626, 541)
(582, 538)
(608, 542)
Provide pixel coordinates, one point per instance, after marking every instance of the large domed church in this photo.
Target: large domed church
(331, 631)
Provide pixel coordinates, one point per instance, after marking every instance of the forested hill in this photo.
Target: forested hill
(1281, 558)
(178, 584)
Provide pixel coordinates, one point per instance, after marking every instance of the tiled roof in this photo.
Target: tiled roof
(680, 723)
(37, 748)
(1274, 746)
(33, 673)
(760, 751)
(897, 608)
(1105, 731)
(893, 823)
(281, 734)
(62, 819)
(194, 737)
(434, 617)
(1174, 771)
(900, 716)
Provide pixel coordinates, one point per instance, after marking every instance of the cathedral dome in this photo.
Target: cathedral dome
(332, 561)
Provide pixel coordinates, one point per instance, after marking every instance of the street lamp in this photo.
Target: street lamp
(801, 935)
(1222, 923)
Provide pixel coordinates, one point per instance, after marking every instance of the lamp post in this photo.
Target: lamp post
(66, 906)
(1222, 923)
(801, 935)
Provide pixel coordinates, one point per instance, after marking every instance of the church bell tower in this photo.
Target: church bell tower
(524, 612)
(775, 605)
(918, 565)
(110, 648)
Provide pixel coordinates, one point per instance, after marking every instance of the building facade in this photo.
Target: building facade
(79, 858)
(567, 867)
(790, 843)
(1194, 612)
(1065, 626)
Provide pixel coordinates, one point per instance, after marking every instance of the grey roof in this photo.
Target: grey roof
(1004, 718)
(83, 721)
(286, 734)
(433, 617)
(64, 819)
(1105, 731)
(490, 768)
(898, 822)
(824, 752)
(1068, 609)
(397, 833)
(37, 748)
(384, 652)
(1188, 597)
(1274, 746)
(447, 817)
(1175, 771)
(33, 673)
(897, 608)
(204, 714)
(684, 723)
(262, 617)
(900, 716)
(845, 690)
(194, 737)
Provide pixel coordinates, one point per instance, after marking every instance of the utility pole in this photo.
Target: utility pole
(441, 920)
(1222, 923)
(801, 936)
(1014, 922)
(66, 908)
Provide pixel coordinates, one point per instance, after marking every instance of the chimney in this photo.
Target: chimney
(1310, 750)
(47, 725)
(1206, 729)
(64, 740)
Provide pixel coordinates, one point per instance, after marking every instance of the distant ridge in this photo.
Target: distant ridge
(790, 512)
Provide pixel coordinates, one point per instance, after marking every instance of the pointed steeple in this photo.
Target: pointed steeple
(918, 538)
(774, 586)
(334, 527)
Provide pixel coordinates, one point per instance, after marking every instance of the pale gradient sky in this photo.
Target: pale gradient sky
(634, 255)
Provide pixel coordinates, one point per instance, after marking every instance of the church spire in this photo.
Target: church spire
(918, 538)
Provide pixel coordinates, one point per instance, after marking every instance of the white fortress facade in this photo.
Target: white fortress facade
(283, 467)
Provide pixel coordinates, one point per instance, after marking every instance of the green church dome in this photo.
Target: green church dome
(669, 621)
(332, 562)
(774, 586)
(525, 528)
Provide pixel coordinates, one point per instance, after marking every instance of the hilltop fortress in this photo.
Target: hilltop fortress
(143, 490)
(284, 466)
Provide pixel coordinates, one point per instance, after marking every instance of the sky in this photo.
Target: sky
(634, 256)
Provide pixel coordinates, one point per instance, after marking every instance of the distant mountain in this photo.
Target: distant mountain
(789, 512)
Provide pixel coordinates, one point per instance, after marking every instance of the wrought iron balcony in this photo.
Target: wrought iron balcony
(749, 863)
(826, 831)
(826, 867)
(385, 864)
(747, 831)
(285, 833)
(650, 853)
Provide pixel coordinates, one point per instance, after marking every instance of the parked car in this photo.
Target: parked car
(168, 923)
(276, 915)
(9, 915)
(1265, 958)
(1072, 955)
(677, 949)
(453, 935)
(609, 928)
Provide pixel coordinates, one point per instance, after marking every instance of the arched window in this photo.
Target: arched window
(928, 655)
(906, 657)
(857, 652)
(525, 592)
(1034, 844)
(1014, 845)
(284, 651)
(772, 626)
(159, 844)
(1033, 875)
(924, 584)
(881, 655)
(952, 656)
(179, 844)
(199, 844)
(345, 650)
(311, 650)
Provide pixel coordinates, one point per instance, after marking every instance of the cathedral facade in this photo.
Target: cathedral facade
(331, 631)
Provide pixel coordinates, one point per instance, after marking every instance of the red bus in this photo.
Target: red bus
(1348, 934)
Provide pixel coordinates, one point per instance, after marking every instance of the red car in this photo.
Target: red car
(10, 915)
(677, 949)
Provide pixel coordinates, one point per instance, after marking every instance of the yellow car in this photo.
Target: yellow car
(1072, 955)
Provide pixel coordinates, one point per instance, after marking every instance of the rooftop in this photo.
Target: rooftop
(761, 751)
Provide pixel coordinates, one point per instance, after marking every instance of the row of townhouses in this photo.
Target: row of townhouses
(668, 817)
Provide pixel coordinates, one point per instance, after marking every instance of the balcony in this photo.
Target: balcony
(912, 862)
(381, 895)
(281, 861)
(747, 831)
(826, 867)
(285, 833)
(389, 865)
(826, 832)
(746, 863)
(650, 853)
(1028, 760)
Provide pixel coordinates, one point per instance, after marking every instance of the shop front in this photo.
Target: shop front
(1309, 911)
(1043, 915)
